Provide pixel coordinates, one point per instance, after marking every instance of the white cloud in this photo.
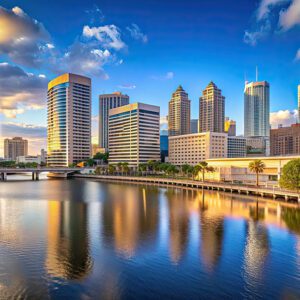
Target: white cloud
(109, 36)
(127, 86)
(136, 33)
(22, 37)
(297, 55)
(20, 91)
(290, 17)
(283, 117)
(167, 76)
(266, 6)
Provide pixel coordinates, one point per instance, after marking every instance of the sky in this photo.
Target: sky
(145, 49)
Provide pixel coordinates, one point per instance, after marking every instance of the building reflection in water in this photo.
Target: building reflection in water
(67, 240)
(178, 205)
(130, 217)
(257, 246)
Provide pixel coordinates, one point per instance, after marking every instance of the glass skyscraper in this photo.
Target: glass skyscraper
(69, 120)
(257, 109)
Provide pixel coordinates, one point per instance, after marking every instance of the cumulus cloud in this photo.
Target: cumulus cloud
(290, 17)
(20, 91)
(167, 76)
(252, 37)
(22, 38)
(297, 55)
(136, 33)
(109, 36)
(266, 6)
(284, 118)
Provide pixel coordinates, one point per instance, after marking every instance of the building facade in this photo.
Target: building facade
(230, 127)
(107, 102)
(258, 146)
(236, 146)
(285, 141)
(164, 148)
(134, 134)
(257, 109)
(69, 120)
(179, 118)
(15, 147)
(194, 148)
(29, 159)
(211, 110)
(194, 126)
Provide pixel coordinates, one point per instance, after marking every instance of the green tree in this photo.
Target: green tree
(8, 164)
(257, 166)
(187, 169)
(101, 156)
(172, 170)
(203, 167)
(90, 162)
(142, 168)
(125, 168)
(111, 169)
(290, 178)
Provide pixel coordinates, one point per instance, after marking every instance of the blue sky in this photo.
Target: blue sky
(146, 49)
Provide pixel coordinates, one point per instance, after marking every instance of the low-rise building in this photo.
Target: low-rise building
(194, 148)
(29, 159)
(236, 146)
(285, 140)
(134, 134)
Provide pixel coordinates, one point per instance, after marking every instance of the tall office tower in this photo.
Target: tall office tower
(257, 109)
(15, 147)
(69, 120)
(194, 126)
(211, 110)
(107, 102)
(179, 113)
(299, 103)
(230, 127)
(134, 134)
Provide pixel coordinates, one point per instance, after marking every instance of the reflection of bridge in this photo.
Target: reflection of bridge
(55, 172)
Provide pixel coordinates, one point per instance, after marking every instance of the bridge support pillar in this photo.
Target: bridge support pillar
(32, 175)
(3, 177)
(37, 176)
(286, 198)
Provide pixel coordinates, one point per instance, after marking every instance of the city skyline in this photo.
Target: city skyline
(132, 52)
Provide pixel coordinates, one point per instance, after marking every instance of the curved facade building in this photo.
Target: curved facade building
(69, 120)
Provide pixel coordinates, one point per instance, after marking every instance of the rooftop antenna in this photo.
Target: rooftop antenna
(256, 75)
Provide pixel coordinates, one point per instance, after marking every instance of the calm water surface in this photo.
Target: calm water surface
(80, 239)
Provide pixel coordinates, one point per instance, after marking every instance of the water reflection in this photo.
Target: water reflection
(144, 242)
(67, 240)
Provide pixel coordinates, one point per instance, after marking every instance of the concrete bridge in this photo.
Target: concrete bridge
(55, 172)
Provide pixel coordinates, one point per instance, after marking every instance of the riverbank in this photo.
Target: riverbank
(225, 187)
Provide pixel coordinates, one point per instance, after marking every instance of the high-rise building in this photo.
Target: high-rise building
(285, 140)
(179, 113)
(194, 148)
(164, 147)
(211, 110)
(230, 127)
(107, 102)
(236, 146)
(194, 126)
(69, 120)
(134, 135)
(15, 147)
(257, 109)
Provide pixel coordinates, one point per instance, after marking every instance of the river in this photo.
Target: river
(83, 239)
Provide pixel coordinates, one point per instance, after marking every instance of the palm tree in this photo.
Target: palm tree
(125, 168)
(257, 166)
(111, 169)
(203, 168)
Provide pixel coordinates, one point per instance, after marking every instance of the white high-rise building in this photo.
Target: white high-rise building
(107, 102)
(69, 120)
(257, 109)
(134, 135)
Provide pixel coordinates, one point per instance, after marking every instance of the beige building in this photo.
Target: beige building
(15, 147)
(230, 127)
(179, 119)
(211, 109)
(237, 169)
(107, 102)
(69, 120)
(194, 148)
(134, 134)
(285, 140)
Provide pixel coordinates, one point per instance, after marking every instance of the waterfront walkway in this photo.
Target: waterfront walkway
(219, 186)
